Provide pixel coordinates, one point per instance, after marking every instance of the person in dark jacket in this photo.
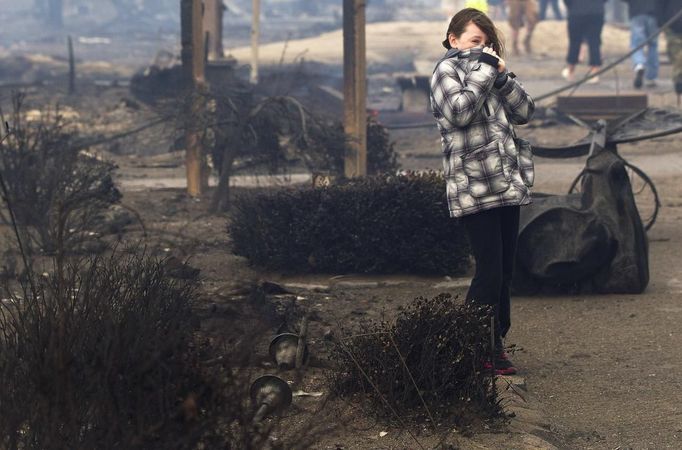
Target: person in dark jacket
(644, 23)
(585, 22)
(673, 34)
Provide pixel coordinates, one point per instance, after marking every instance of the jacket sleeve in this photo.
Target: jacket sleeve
(518, 105)
(458, 101)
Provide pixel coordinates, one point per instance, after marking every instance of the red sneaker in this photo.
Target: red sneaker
(503, 366)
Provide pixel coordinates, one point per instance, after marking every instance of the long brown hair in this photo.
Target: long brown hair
(460, 21)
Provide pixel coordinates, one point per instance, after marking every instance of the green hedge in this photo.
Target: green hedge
(383, 224)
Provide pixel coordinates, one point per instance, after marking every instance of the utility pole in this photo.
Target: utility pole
(191, 15)
(255, 37)
(355, 86)
(213, 25)
(72, 67)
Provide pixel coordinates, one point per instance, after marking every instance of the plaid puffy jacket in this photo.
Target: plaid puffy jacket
(475, 119)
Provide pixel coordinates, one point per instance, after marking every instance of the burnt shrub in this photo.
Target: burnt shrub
(385, 224)
(107, 354)
(98, 355)
(58, 192)
(428, 363)
(329, 146)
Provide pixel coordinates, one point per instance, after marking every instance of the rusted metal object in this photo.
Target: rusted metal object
(270, 395)
(641, 125)
(284, 350)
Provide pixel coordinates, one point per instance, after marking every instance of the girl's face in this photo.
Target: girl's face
(470, 38)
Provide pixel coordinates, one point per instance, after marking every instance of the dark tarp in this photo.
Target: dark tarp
(588, 242)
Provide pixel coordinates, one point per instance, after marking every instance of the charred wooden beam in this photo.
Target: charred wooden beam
(193, 65)
(591, 106)
(213, 25)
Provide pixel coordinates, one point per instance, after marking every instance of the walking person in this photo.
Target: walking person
(476, 102)
(673, 35)
(522, 13)
(555, 9)
(644, 23)
(585, 22)
(496, 9)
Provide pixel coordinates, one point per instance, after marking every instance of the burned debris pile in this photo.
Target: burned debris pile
(278, 126)
(427, 365)
(383, 224)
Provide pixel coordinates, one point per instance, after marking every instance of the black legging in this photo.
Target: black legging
(493, 235)
(585, 28)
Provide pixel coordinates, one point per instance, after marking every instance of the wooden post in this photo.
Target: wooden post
(255, 36)
(193, 75)
(213, 25)
(72, 67)
(355, 86)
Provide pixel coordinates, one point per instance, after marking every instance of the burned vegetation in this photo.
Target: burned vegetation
(59, 194)
(381, 224)
(276, 127)
(100, 342)
(425, 366)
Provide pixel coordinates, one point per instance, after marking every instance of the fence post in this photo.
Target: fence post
(255, 37)
(194, 81)
(355, 86)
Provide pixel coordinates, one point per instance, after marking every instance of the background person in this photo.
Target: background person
(555, 9)
(585, 21)
(644, 23)
(522, 13)
(673, 35)
(496, 9)
(476, 103)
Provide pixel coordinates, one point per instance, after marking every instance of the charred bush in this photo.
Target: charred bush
(396, 224)
(279, 133)
(96, 356)
(428, 364)
(58, 193)
(257, 129)
(330, 146)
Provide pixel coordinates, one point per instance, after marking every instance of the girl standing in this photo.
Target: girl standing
(476, 103)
